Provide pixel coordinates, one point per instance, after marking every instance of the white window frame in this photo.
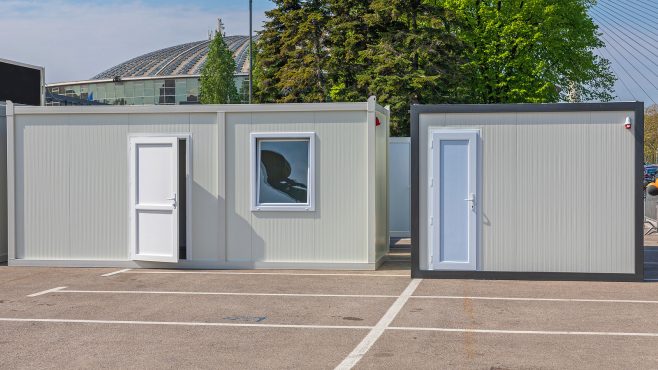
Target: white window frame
(255, 171)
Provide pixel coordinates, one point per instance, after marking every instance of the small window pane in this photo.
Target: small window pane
(283, 174)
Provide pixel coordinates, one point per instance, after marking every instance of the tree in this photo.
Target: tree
(415, 57)
(292, 51)
(217, 82)
(531, 51)
(651, 134)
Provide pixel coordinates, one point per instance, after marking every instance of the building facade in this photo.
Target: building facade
(164, 77)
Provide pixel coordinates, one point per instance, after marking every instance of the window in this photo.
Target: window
(282, 171)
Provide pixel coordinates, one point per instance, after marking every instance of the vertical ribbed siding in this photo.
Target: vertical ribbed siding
(72, 182)
(238, 211)
(611, 210)
(42, 187)
(557, 190)
(3, 184)
(205, 202)
(335, 231)
(98, 187)
(381, 189)
(341, 193)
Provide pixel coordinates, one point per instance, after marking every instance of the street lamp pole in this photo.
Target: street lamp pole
(251, 52)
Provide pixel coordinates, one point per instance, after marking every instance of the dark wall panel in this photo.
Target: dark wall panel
(20, 84)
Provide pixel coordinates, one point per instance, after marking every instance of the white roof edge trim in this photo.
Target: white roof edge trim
(21, 64)
(124, 79)
(200, 108)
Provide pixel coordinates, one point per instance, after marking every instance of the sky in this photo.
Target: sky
(76, 39)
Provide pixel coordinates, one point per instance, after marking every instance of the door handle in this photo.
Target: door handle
(471, 198)
(174, 199)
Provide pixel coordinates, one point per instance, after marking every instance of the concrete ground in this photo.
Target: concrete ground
(78, 318)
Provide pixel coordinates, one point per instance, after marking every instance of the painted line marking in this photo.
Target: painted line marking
(226, 293)
(115, 272)
(182, 323)
(362, 348)
(261, 273)
(534, 299)
(47, 291)
(535, 332)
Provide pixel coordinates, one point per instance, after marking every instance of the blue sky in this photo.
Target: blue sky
(76, 39)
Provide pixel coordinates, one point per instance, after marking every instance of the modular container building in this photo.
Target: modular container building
(527, 191)
(199, 186)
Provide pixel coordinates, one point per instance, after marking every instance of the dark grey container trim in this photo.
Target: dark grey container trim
(638, 131)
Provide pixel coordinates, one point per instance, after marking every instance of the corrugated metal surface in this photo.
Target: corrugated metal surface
(3, 184)
(72, 186)
(555, 196)
(335, 231)
(381, 188)
(399, 183)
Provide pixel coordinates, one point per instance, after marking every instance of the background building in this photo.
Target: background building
(166, 76)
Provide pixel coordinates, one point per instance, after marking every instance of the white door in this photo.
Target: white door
(153, 195)
(453, 200)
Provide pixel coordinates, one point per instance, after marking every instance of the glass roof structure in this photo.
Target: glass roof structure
(179, 60)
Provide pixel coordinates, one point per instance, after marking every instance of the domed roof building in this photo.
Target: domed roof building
(165, 76)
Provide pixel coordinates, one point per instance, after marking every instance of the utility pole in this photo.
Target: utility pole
(251, 52)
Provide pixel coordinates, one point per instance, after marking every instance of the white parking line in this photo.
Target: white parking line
(362, 348)
(534, 299)
(261, 273)
(536, 332)
(182, 323)
(226, 293)
(47, 291)
(115, 272)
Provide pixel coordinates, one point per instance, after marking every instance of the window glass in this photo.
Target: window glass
(149, 88)
(283, 171)
(170, 83)
(129, 89)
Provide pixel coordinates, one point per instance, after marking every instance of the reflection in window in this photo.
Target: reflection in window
(283, 172)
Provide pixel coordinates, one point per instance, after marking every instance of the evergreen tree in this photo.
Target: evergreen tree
(293, 54)
(531, 51)
(217, 83)
(348, 38)
(415, 58)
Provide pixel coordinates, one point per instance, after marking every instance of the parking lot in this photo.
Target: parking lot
(83, 318)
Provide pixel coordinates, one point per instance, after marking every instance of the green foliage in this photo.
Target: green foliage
(531, 51)
(430, 51)
(217, 83)
(291, 67)
(414, 59)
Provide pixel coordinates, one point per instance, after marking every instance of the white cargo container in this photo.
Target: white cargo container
(199, 186)
(529, 191)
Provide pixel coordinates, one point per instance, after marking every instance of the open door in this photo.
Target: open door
(153, 198)
(453, 200)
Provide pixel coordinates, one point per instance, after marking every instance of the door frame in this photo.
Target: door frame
(433, 219)
(188, 196)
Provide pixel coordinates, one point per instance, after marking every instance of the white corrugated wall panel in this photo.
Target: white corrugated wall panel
(552, 188)
(336, 231)
(612, 192)
(206, 205)
(3, 184)
(238, 211)
(282, 236)
(381, 189)
(98, 186)
(341, 229)
(557, 190)
(42, 187)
